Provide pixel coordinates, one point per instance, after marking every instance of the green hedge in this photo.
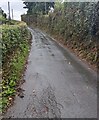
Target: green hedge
(15, 48)
(12, 37)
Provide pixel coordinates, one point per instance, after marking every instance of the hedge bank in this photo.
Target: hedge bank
(15, 45)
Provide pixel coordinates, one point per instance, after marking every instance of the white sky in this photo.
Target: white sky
(16, 5)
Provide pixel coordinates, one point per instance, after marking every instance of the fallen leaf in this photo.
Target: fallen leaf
(10, 98)
(69, 63)
(87, 87)
(33, 91)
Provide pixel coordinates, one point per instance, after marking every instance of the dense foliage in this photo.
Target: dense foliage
(38, 7)
(76, 24)
(11, 39)
(15, 47)
(2, 16)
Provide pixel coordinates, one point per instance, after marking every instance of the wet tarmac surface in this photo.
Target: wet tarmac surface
(57, 84)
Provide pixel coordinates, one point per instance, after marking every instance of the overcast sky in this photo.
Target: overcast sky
(16, 5)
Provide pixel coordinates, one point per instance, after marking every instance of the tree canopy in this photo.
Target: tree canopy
(38, 7)
(2, 13)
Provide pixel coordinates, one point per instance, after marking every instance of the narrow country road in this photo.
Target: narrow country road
(57, 84)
